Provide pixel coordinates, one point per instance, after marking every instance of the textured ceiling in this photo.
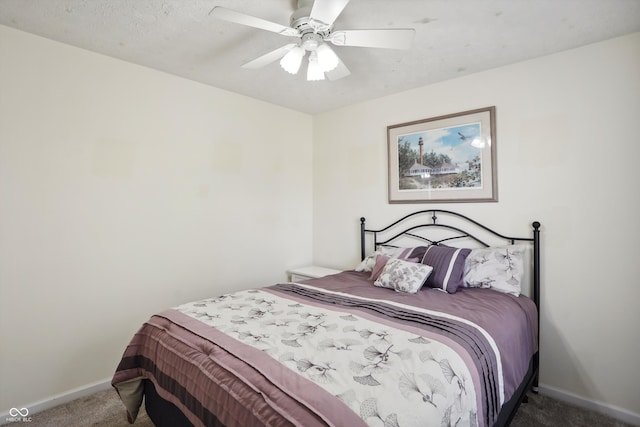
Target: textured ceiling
(453, 38)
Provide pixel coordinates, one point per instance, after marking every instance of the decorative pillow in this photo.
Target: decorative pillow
(392, 252)
(448, 267)
(498, 268)
(381, 261)
(403, 276)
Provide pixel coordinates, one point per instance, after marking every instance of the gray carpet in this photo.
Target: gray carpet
(105, 409)
(102, 409)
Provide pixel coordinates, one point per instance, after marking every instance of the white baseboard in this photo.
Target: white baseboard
(60, 399)
(565, 396)
(603, 408)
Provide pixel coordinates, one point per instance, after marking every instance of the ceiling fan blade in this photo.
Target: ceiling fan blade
(268, 58)
(326, 11)
(393, 38)
(251, 21)
(339, 72)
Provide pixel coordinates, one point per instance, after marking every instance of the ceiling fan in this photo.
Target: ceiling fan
(313, 25)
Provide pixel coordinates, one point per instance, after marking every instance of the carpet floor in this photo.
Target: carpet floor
(104, 409)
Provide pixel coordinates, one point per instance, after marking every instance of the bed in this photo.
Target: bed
(433, 327)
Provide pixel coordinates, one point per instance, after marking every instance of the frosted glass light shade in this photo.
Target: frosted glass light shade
(292, 60)
(314, 72)
(327, 58)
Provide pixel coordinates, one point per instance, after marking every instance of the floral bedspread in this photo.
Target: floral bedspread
(393, 365)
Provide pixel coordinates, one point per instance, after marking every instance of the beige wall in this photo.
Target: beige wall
(124, 191)
(568, 153)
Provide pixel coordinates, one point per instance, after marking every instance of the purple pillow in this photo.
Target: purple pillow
(408, 254)
(381, 261)
(448, 267)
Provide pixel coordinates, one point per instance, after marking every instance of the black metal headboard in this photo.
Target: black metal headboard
(458, 227)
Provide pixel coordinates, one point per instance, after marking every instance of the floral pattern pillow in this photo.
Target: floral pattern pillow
(498, 268)
(403, 276)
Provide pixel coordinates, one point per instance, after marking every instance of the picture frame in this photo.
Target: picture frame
(444, 159)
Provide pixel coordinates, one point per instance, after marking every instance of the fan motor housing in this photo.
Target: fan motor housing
(300, 20)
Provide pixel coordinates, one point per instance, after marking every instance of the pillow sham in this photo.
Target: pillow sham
(403, 276)
(369, 262)
(498, 268)
(448, 267)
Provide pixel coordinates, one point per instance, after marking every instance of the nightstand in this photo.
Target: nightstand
(310, 272)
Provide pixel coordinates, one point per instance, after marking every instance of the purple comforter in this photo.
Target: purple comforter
(349, 353)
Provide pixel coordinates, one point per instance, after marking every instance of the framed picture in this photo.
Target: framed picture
(449, 158)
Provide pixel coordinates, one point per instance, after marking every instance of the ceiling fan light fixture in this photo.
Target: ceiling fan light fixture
(314, 71)
(312, 23)
(327, 58)
(292, 60)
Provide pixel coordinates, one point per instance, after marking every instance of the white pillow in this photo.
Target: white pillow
(498, 268)
(369, 262)
(403, 276)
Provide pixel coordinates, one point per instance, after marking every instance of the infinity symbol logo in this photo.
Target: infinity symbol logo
(14, 412)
